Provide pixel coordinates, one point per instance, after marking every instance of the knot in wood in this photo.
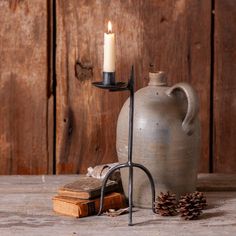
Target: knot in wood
(83, 70)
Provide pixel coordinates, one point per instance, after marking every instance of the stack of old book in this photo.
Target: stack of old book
(82, 197)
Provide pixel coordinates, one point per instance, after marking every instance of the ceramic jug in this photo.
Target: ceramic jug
(166, 138)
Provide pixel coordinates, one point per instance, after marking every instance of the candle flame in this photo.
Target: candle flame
(109, 27)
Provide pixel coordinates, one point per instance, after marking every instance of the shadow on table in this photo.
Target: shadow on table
(208, 215)
(204, 216)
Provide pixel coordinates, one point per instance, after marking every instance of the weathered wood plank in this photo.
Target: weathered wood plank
(225, 87)
(31, 213)
(216, 182)
(34, 183)
(23, 87)
(163, 33)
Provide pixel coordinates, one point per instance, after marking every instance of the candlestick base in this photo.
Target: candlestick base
(109, 78)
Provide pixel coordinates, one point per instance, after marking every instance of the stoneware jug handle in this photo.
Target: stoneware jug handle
(193, 105)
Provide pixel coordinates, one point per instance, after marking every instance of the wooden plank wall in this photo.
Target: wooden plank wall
(163, 33)
(180, 37)
(24, 147)
(225, 87)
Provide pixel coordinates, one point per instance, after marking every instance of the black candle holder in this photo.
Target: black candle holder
(109, 78)
(121, 86)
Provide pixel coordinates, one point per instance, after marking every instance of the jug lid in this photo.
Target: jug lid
(157, 79)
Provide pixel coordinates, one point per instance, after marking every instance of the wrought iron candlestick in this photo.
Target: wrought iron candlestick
(121, 86)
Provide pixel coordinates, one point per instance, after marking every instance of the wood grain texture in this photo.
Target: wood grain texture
(24, 87)
(225, 87)
(216, 182)
(26, 209)
(172, 35)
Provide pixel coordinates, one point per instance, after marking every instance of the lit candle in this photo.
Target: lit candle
(109, 50)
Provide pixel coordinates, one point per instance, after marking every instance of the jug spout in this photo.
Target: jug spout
(157, 79)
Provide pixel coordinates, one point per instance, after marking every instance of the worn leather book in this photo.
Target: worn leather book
(80, 208)
(86, 188)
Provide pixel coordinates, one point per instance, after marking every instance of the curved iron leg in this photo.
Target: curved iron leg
(151, 181)
(131, 181)
(105, 182)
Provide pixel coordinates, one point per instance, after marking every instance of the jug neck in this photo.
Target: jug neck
(157, 79)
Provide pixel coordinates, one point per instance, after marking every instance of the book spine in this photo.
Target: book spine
(110, 202)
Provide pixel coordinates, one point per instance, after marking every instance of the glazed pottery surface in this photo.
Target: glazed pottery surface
(166, 139)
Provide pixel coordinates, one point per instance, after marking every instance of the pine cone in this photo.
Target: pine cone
(202, 199)
(166, 204)
(190, 206)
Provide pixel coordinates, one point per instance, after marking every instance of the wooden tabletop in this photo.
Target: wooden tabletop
(26, 209)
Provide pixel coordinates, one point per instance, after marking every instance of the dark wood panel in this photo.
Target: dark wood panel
(172, 35)
(23, 87)
(225, 87)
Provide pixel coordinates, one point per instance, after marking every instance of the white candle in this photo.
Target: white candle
(109, 50)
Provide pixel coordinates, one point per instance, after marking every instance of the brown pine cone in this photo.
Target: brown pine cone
(166, 204)
(190, 206)
(202, 199)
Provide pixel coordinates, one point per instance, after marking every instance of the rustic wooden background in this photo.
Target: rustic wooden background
(54, 121)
